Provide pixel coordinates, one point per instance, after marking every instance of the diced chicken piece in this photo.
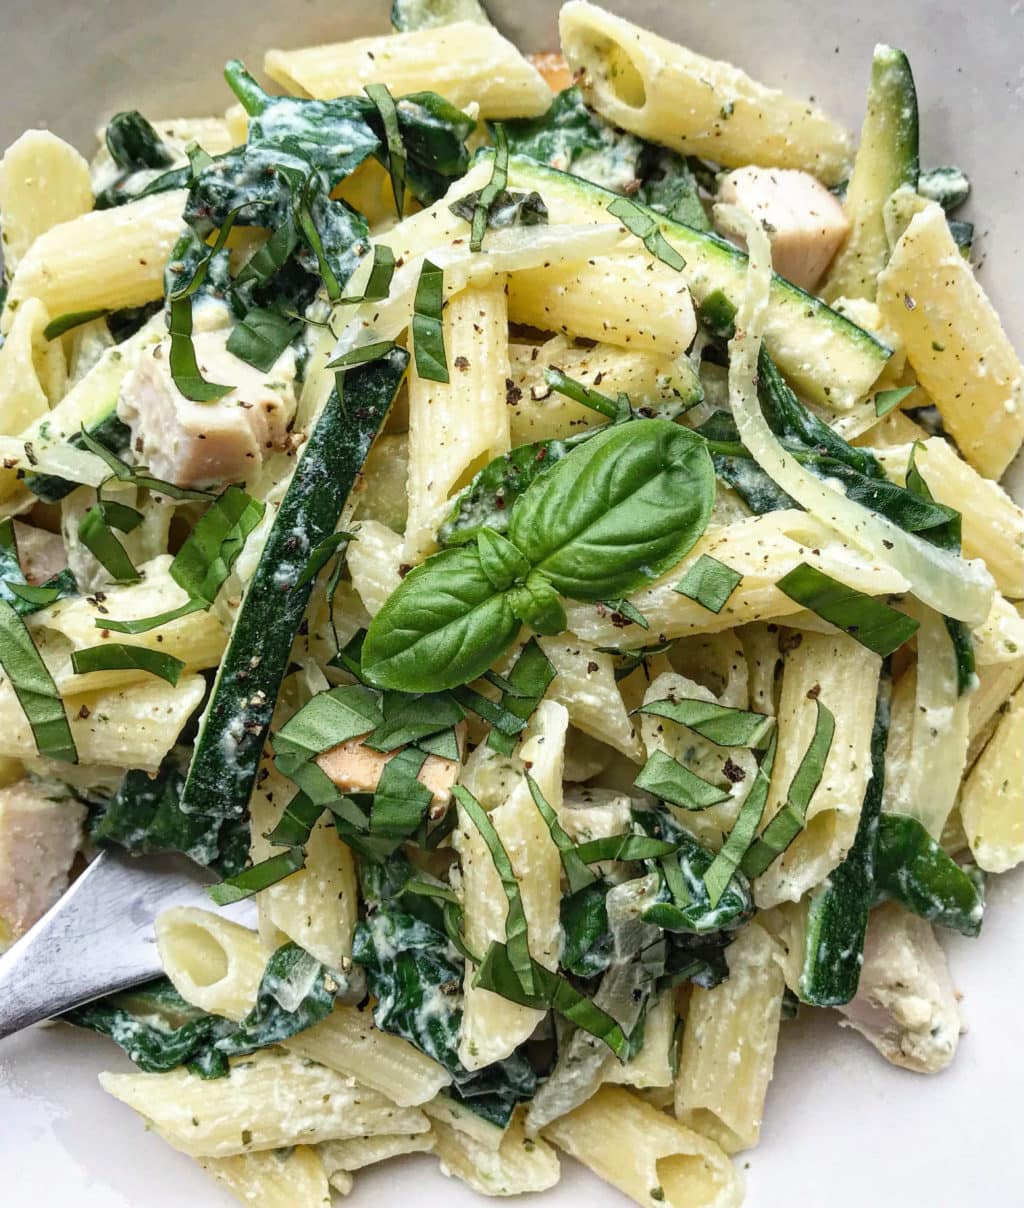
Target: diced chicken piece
(40, 832)
(207, 444)
(905, 1003)
(355, 768)
(41, 554)
(804, 221)
(556, 72)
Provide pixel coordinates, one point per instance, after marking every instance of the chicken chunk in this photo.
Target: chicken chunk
(207, 444)
(355, 768)
(40, 832)
(804, 221)
(41, 554)
(905, 1004)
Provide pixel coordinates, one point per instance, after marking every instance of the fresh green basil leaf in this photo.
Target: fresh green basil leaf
(427, 328)
(115, 656)
(508, 209)
(887, 400)
(64, 323)
(34, 687)
(414, 718)
(378, 284)
(145, 624)
(43, 595)
(204, 562)
(362, 355)
(500, 561)
(494, 187)
(624, 613)
(624, 848)
(385, 106)
(618, 511)
(718, 723)
(517, 945)
(400, 802)
(645, 226)
(912, 868)
(296, 823)
(184, 366)
(442, 627)
(536, 604)
(709, 582)
(789, 821)
(866, 619)
(729, 858)
(669, 780)
(261, 337)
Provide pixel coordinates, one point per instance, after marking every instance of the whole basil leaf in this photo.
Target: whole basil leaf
(443, 626)
(536, 604)
(502, 563)
(618, 511)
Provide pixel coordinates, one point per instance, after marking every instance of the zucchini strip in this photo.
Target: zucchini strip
(235, 723)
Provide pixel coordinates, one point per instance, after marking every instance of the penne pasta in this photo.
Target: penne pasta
(43, 182)
(992, 800)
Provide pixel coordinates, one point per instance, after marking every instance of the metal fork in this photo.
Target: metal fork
(99, 937)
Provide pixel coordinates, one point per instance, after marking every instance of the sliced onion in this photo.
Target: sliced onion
(950, 584)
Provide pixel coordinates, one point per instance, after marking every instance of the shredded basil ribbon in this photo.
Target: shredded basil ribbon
(709, 582)
(727, 861)
(577, 874)
(719, 724)
(96, 533)
(427, 328)
(34, 687)
(64, 323)
(645, 226)
(669, 780)
(489, 193)
(867, 620)
(118, 657)
(887, 400)
(138, 475)
(385, 106)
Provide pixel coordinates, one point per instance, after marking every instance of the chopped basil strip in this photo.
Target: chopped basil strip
(718, 723)
(204, 562)
(96, 532)
(427, 329)
(362, 355)
(709, 582)
(261, 337)
(145, 624)
(866, 619)
(521, 691)
(321, 554)
(385, 105)
(672, 781)
(490, 192)
(624, 847)
(645, 226)
(118, 657)
(138, 475)
(378, 284)
(623, 613)
(259, 876)
(63, 323)
(184, 367)
(34, 687)
(789, 821)
(577, 874)
(720, 873)
(887, 400)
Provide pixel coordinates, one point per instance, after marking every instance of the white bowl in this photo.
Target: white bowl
(841, 1127)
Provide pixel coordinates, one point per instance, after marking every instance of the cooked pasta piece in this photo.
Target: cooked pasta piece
(106, 259)
(729, 1040)
(519, 1165)
(214, 964)
(274, 1178)
(585, 684)
(650, 1157)
(464, 62)
(374, 559)
(32, 369)
(664, 92)
(270, 1100)
(654, 1065)
(992, 800)
(359, 1152)
(458, 425)
(43, 182)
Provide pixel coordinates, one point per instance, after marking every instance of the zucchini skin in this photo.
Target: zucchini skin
(234, 727)
(837, 915)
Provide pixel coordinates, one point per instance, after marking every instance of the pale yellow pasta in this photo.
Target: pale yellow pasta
(270, 1099)
(993, 525)
(466, 63)
(664, 92)
(762, 645)
(43, 182)
(454, 1114)
(729, 1042)
(129, 727)
(649, 1157)
(762, 549)
(373, 559)
(359, 1152)
(380, 489)
(992, 800)
(585, 684)
(654, 1065)
(538, 412)
(844, 675)
(653, 310)
(492, 1026)
(521, 1164)
(996, 684)
(458, 425)
(274, 1178)
(955, 342)
(32, 369)
(1000, 637)
(348, 1042)
(214, 964)
(106, 259)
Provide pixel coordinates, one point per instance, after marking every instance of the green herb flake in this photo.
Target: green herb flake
(34, 687)
(427, 328)
(645, 226)
(888, 400)
(709, 582)
(118, 657)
